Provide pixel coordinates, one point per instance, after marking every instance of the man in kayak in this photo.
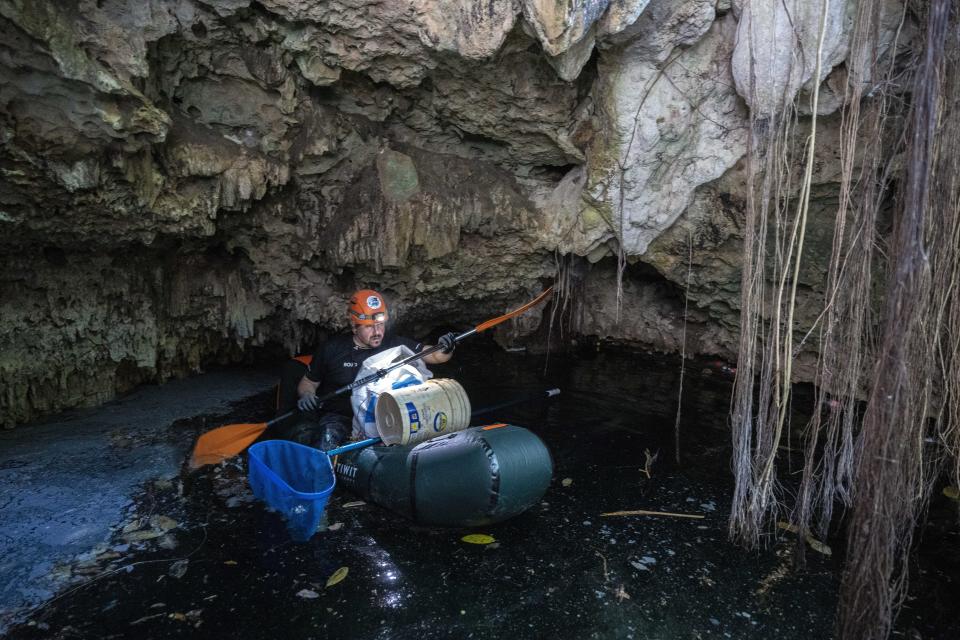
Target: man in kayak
(335, 364)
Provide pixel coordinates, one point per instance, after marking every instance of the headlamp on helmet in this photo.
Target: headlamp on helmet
(367, 308)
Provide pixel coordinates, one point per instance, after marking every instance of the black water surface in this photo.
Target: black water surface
(560, 570)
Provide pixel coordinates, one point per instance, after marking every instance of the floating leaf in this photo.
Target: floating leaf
(309, 594)
(179, 568)
(567, 482)
(230, 562)
(952, 492)
(478, 538)
(163, 523)
(792, 528)
(133, 525)
(138, 536)
(337, 576)
(818, 546)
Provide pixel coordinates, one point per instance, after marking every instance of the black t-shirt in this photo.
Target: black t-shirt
(336, 362)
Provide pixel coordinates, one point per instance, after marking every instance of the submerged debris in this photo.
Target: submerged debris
(643, 512)
(815, 544)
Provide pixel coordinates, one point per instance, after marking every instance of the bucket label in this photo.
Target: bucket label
(414, 417)
(440, 422)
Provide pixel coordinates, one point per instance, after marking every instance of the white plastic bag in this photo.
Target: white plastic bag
(364, 399)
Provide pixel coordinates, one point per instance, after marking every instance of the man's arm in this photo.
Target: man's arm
(307, 390)
(447, 342)
(437, 357)
(307, 387)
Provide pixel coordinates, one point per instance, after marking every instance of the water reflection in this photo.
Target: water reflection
(389, 590)
(561, 569)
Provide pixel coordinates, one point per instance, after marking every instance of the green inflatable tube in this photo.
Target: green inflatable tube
(474, 477)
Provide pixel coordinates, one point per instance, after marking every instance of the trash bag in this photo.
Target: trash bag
(364, 399)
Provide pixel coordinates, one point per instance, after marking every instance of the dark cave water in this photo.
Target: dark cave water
(559, 570)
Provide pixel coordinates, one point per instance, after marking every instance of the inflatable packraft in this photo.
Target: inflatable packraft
(474, 477)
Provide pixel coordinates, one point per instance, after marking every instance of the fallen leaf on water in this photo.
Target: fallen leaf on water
(639, 566)
(135, 536)
(952, 492)
(167, 542)
(177, 616)
(179, 568)
(230, 562)
(308, 594)
(163, 523)
(478, 538)
(815, 544)
(792, 528)
(86, 571)
(567, 482)
(357, 503)
(132, 526)
(337, 576)
(819, 547)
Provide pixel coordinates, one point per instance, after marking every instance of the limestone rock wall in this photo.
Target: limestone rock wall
(183, 182)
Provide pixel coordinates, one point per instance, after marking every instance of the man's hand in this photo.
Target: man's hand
(448, 342)
(309, 402)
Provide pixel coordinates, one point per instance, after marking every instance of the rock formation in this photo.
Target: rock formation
(185, 181)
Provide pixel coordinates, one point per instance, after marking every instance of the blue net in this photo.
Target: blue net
(293, 479)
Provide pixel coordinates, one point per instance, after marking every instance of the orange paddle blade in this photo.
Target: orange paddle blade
(225, 442)
(483, 326)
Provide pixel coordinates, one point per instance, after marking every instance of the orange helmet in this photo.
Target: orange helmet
(367, 307)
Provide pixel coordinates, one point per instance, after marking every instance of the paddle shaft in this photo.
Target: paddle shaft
(549, 393)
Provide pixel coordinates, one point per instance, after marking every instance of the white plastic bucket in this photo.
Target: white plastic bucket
(414, 414)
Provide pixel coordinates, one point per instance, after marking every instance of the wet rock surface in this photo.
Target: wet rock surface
(194, 554)
(66, 485)
(209, 177)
